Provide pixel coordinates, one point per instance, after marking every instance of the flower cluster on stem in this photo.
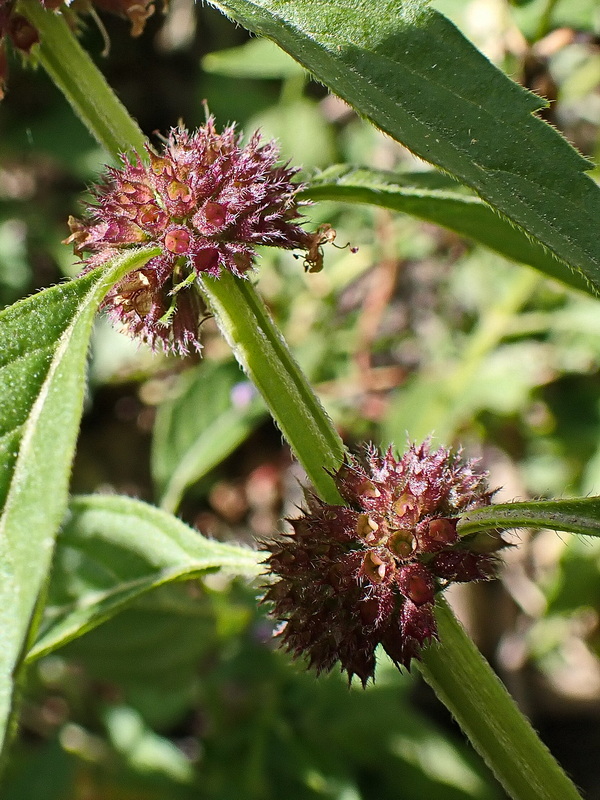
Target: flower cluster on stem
(207, 201)
(351, 577)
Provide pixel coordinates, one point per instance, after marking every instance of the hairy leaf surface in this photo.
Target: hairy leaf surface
(43, 347)
(214, 410)
(412, 73)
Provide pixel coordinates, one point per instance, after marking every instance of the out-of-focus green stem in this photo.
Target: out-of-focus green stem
(545, 19)
(81, 82)
(455, 669)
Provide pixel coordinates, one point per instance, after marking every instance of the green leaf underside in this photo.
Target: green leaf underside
(581, 515)
(412, 73)
(438, 198)
(112, 551)
(43, 348)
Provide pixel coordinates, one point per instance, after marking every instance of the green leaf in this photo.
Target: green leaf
(153, 648)
(45, 770)
(412, 73)
(439, 199)
(258, 58)
(112, 551)
(144, 750)
(580, 515)
(200, 427)
(43, 348)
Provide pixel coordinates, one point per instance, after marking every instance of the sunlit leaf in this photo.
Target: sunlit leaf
(43, 348)
(112, 551)
(410, 71)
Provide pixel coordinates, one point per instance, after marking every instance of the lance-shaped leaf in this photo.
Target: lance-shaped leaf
(43, 346)
(111, 551)
(411, 72)
(438, 198)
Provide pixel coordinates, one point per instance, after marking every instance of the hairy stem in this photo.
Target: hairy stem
(263, 353)
(465, 683)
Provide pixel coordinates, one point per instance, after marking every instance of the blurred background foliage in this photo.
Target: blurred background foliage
(419, 332)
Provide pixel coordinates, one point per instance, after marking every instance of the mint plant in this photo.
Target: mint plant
(171, 231)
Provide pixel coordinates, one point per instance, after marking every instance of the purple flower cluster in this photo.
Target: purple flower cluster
(351, 577)
(207, 202)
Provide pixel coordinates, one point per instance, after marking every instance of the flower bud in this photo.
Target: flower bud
(416, 583)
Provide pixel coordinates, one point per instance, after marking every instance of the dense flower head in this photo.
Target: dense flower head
(351, 577)
(207, 201)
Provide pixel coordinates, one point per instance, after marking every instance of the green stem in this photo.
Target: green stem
(545, 22)
(464, 682)
(454, 668)
(579, 515)
(81, 82)
(263, 353)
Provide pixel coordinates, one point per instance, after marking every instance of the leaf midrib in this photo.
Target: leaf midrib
(30, 424)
